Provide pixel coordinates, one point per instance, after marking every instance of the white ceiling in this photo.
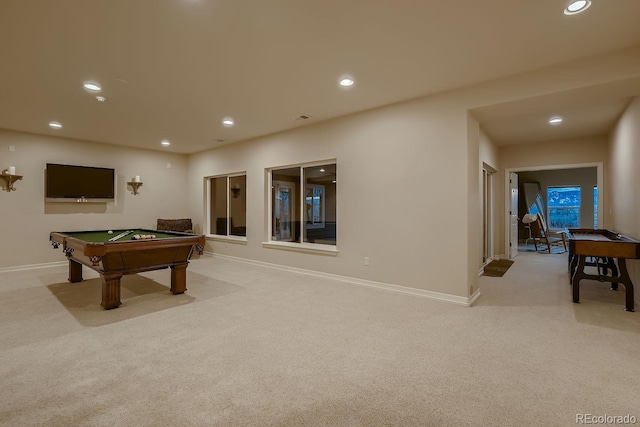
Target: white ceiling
(588, 111)
(173, 69)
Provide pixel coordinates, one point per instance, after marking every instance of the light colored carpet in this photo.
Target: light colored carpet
(253, 346)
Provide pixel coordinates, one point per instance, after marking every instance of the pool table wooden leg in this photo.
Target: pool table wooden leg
(75, 271)
(179, 278)
(111, 290)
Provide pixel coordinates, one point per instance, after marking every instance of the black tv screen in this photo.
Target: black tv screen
(79, 182)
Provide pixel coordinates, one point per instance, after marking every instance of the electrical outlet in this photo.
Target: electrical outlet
(12, 148)
(366, 260)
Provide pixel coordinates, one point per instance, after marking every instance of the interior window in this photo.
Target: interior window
(228, 205)
(303, 204)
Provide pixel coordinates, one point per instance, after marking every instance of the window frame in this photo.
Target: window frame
(301, 245)
(210, 233)
(549, 207)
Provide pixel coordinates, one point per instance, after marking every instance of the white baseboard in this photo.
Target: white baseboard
(474, 297)
(34, 266)
(454, 299)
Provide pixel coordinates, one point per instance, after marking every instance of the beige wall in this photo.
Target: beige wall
(474, 203)
(408, 182)
(488, 151)
(26, 220)
(624, 176)
(407, 155)
(408, 179)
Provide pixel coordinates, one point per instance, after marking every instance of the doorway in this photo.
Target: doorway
(283, 211)
(548, 176)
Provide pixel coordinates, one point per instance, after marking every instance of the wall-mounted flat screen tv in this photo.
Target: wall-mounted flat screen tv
(68, 183)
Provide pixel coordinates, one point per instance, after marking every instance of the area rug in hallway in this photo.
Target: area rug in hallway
(497, 268)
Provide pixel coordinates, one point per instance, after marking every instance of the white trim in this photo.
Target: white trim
(315, 248)
(454, 299)
(474, 297)
(207, 205)
(507, 191)
(488, 198)
(242, 240)
(33, 266)
(269, 194)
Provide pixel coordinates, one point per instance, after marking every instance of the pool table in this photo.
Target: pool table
(124, 252)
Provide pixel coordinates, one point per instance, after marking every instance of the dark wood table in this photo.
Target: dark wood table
(608, 252)
(127, 255)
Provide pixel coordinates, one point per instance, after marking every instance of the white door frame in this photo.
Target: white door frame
(512, 250)
(507, 191)
(488, 239)
(292, 207)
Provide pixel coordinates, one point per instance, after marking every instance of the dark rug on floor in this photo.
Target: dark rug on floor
(497, 268)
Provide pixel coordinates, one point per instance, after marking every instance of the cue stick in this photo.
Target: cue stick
(120, 236)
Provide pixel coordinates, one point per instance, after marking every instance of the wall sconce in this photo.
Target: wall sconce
(135, 184)
(9, 176)
(235, 190)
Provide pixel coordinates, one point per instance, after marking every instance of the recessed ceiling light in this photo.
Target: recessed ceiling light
(321, 169)
(93, 87)
(555, 120)
(346, 82)
(228, 122)
(165, 143)
(101, 98)
(55, 125)
(577, 7)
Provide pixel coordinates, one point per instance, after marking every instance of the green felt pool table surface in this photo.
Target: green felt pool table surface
(103, 236)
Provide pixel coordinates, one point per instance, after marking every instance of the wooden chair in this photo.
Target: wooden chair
(541, 236)
(183, 225)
